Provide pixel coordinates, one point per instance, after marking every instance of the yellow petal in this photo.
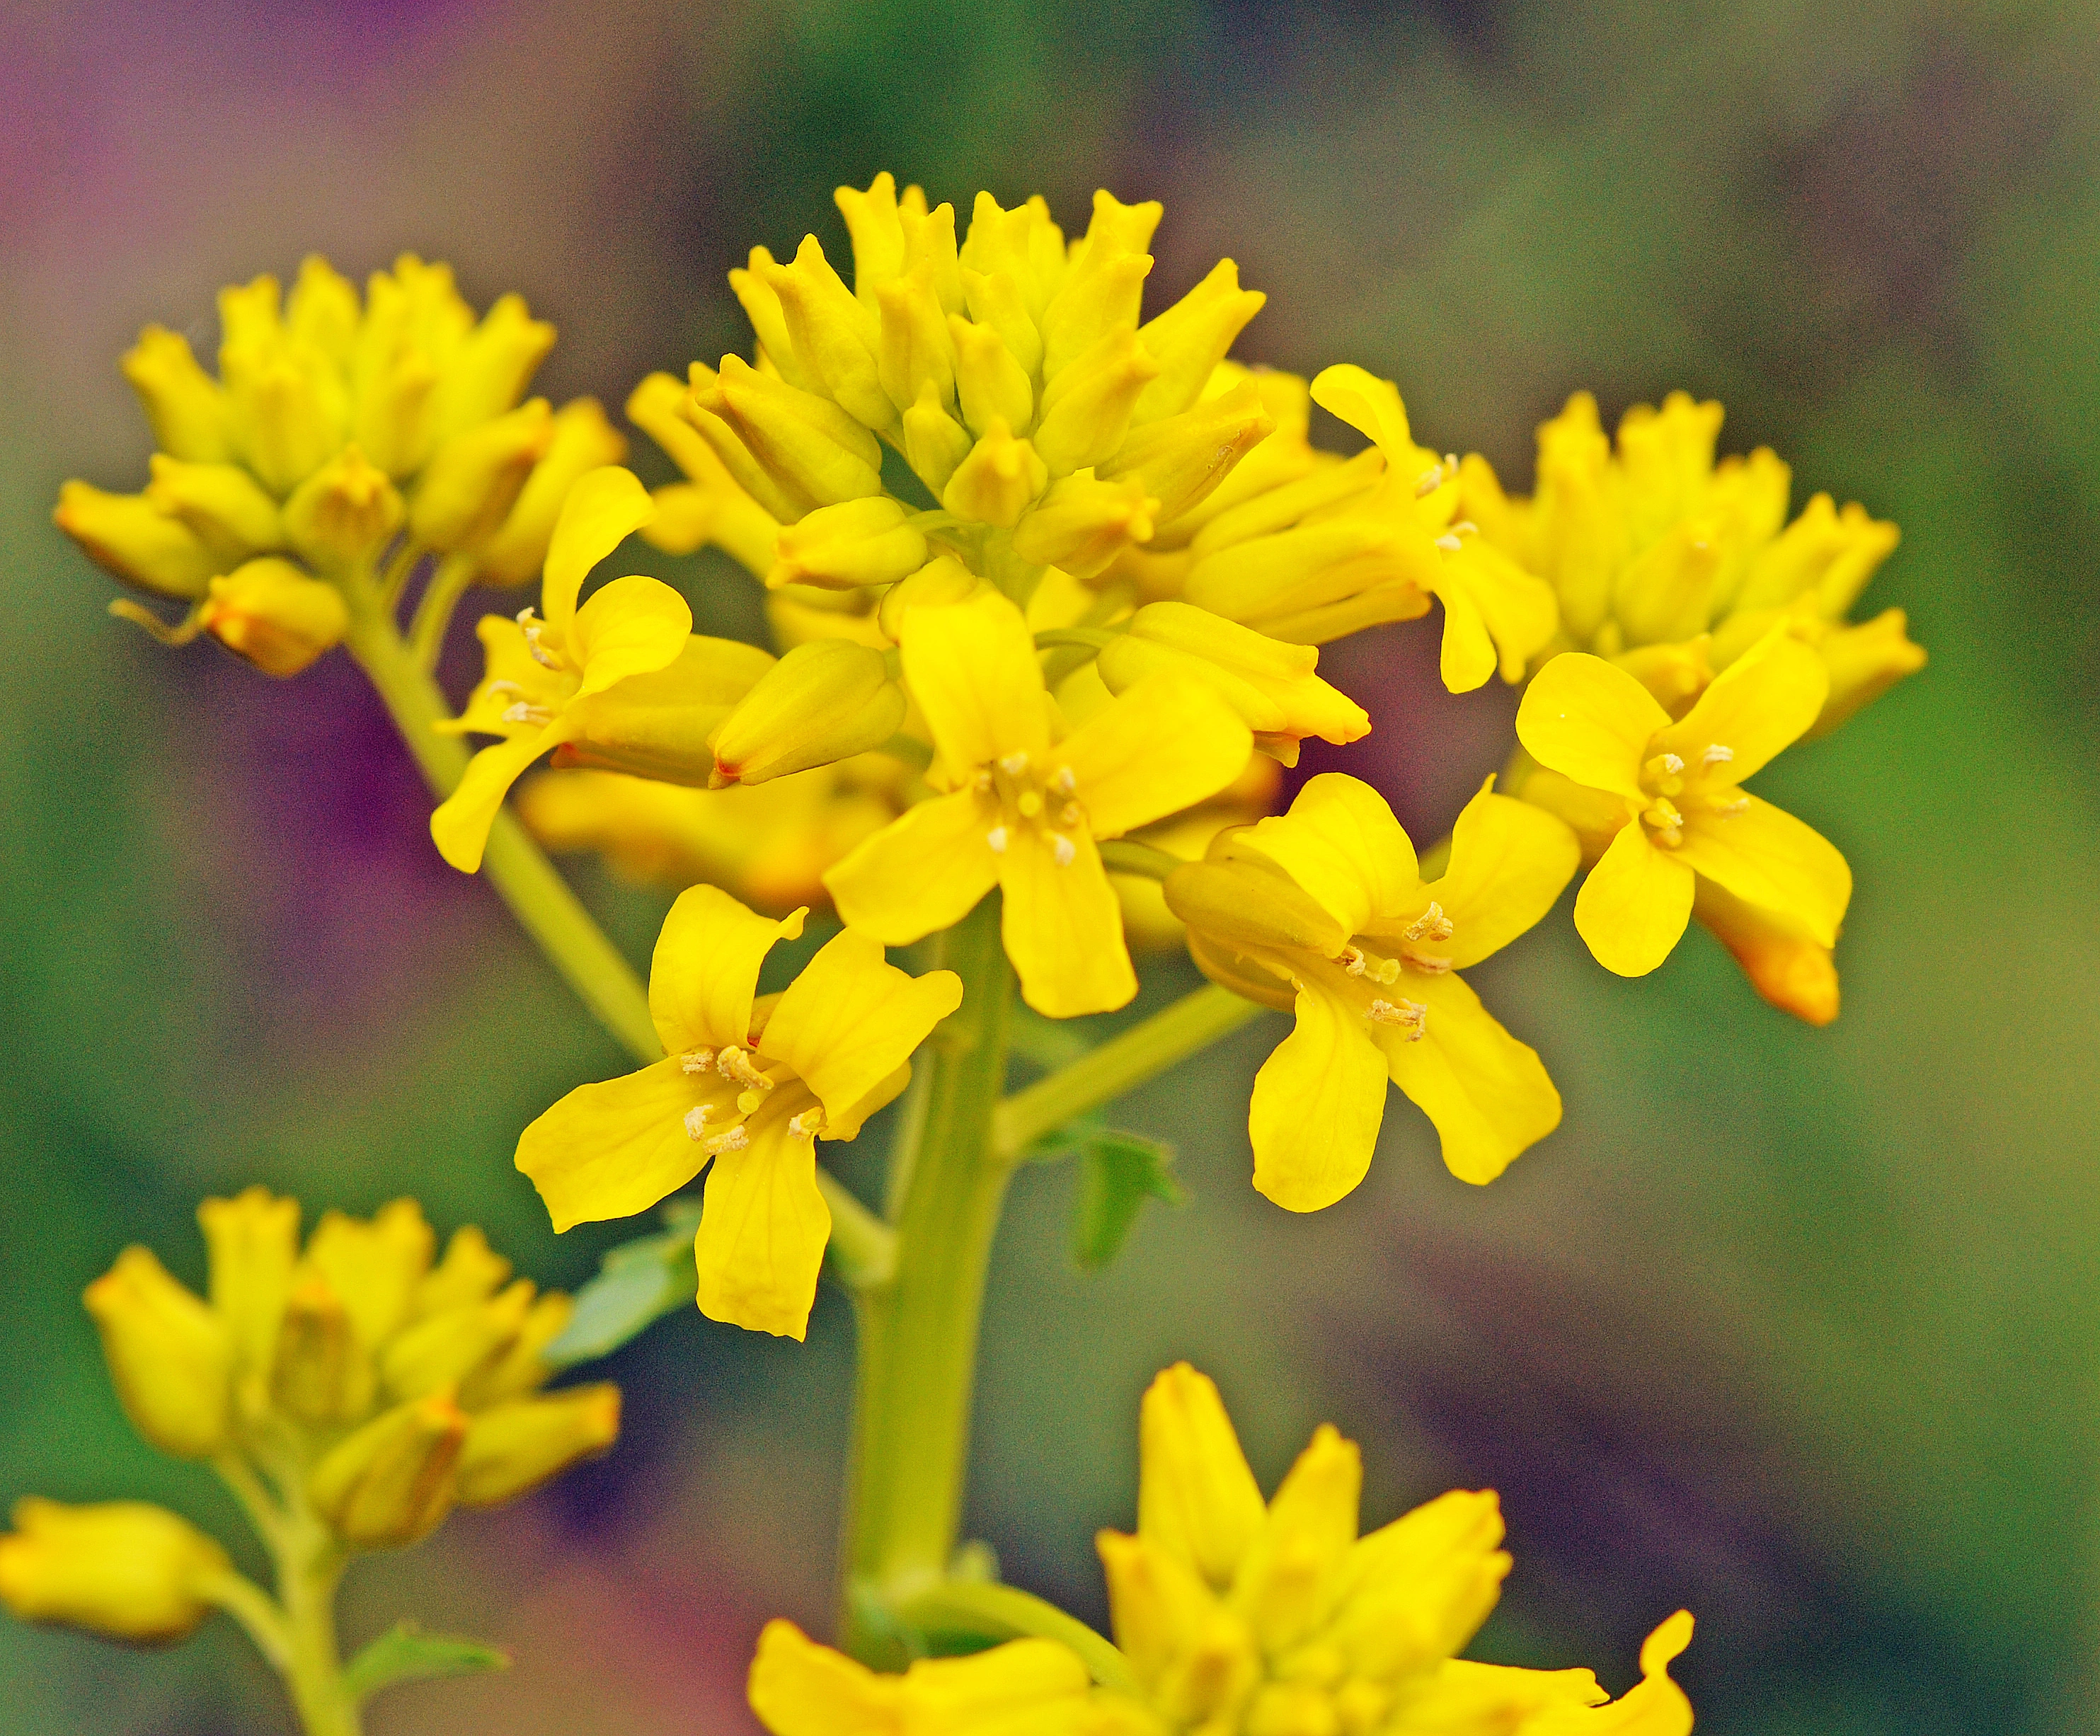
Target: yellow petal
(851, 1020)
(1317, 1105)
(1635, 905)
(1282, 1585)
(1590, 721)
(459, 825)
(1465, 656)
(604, 505)
(972, 667)
(1768, 858)
(763, 1227)
(926, 870)
(1167, 744)
(616, 1148)
(705, 972)
(799, 1688)
(1369, 405)
(1415, 1591)
(632, 626)
(1487, 1093)
(1196, 1498)
(1759, 704)
(1023, 1687)
(1341, 844)
(1062, 927)
(1509, 862)
(1492, 602)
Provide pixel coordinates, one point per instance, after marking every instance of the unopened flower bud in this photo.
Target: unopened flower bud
(1086, 409)
(320, 1373)
(227, 509)
(445, 1349)
(344, 512)
(1865, 660)
(943, 579)
(824, 700)
(523, 1368)
(1191, 338)
(274, 615)
(662, 722)
(1250, 905)
(133, 539)
(1082, 523)
(1180, 460)
(915, 350)
(374, 1264)
(1786, 963)
(995, 484)
(170, 1356)
(474, 478)
(253, 1241)
(471, 1271)
(988, 380)
(815, 452)
(491, 368)
(1103, 286)
(832, 333)
(126, 1569)
(289, 415)
(513, 1448)
(185, 406)
(935, 443)
(855, 543)
(583, 440)
(394, 1480)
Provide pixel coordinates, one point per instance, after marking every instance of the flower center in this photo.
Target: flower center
(1672, 788)
(1026, 797)
(718, 1127)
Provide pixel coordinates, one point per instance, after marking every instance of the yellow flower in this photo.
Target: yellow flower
(768, 844)
(125, 1569)
(1323, 912)
(1682, 817)
(1650, 542)
(1026, 807)
(748, 1087)
(1238, 1617)
(623, 680)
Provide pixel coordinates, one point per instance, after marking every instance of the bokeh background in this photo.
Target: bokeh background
(1796, 1328)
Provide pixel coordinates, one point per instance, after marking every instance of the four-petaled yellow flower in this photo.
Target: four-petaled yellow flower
(1685, 818)
(1323, 912)
(1027, 803)
(573, 675)
(1236, 1617)
(749, 1084)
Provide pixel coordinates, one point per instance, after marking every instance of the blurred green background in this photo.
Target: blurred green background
(1793, 1328)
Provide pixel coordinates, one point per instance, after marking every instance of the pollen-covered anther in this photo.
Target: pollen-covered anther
(996, 840)
(733, 1139)
(1668, 823)
(523, 713)
(532, 628)
(696, 1120)
(696, 1060)
(1013, 764)
(1065, 783)
(1449, 542)
(734, 1063)
(1717, 755)
(1070, 814)
(808, 1125)
(1727, 808)
(982, 782)
(1432, 924)
(1662, 774)
(1409, 1017)
(1429, 481)
(1063, 850)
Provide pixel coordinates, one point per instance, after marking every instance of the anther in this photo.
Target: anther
(734, 1063)
(696, 1060)
(696, 1120)
(996, 838)
(1063, 850)
(1449, 543)
(1429, 481)
(521, 712)
(1729, 809)
(1070, 814)
(1064, 783)
(1014, 765)
(729, 1139)
(1351, 961)
(494, 687)
(982, 782)
(1432, 924)
(808, 1125)
(1717, 755)
(1409, 1017)
(532, 629)
(1672, 763)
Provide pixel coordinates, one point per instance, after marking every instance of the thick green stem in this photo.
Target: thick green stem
(308, 1576)
(919, 1332)
(537, 895)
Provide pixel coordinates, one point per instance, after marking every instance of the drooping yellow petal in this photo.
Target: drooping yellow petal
(1062, 927)
(1341, 844)
(1369, 405)
(705, 972)
(1496, 615)
(632, 626)
(926, 870)
(1590, 721)
(459, 825)
(1760, 703)
(851, 1020)
(613, 1149)
(799, 1688)
(604, 506)
(1196, 1498)
(1768, 858)
(1633, 906)
(1509, 862)
(972, 667)
(1167, 744)
(763, 1228)
(1655, 1706)
(1317, 1102)
(1488, 1095)
(1465, 655)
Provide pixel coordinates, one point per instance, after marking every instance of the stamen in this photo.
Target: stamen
(1014, 765)
(1070, 814)
(696, 1120)
(1064, 783)
(1429, 481)
(736, 1062)
(1351, 961)
(1063, 850)
(532, 629)
(996, 838)
(503, 687)
(1717, 755)
(1358, 962)
(1729, 809)
(1428, 965)
(521, 712)
(808, 1125)
(729, 1139)
(1449, 543)
(1672, 763)
(1432, 924)
(981, 783)
(1409, 1017)
(696, 1060)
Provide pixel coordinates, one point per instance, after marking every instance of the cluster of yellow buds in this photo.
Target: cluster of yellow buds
(334, 426)
(352, 1393)
(1237, 1617)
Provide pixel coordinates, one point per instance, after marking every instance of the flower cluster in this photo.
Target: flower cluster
(1235, 1617)
(354, 1393)
(335, 428)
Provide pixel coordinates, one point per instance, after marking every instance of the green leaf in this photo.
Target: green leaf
(639, 1283)
(1118, 1172)
(405, 1653)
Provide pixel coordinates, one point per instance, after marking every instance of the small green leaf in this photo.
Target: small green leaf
(405, 1653)
(1118, 1172)
(639, 1283)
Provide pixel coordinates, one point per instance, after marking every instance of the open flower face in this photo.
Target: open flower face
(1322, 911)
(1028, 803)
(748, 1087)
(1685, 816)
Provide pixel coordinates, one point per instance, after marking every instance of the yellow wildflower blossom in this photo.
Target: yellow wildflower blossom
(622, 679)
(1322, 911)
(1682, 815)
(1027, 804)
(125, 1569)
(1238, 1617)
(748, 1087)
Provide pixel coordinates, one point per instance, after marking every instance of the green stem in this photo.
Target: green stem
(862, 1248)
(981, 1609)
(433, 609)
(310, 1571)
(919, 1332)
(1173, 1034)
